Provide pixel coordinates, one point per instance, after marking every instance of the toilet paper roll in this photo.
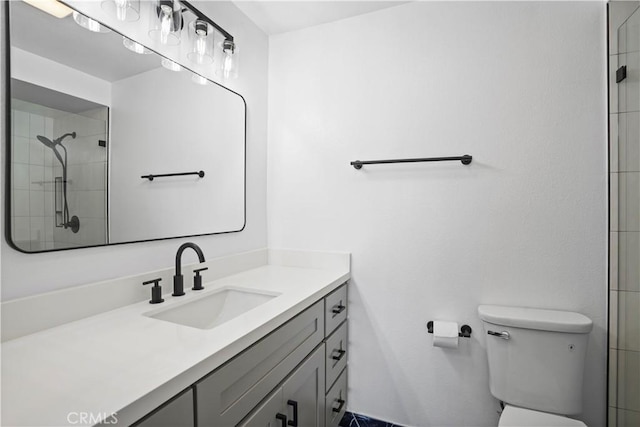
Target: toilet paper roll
(445, 334)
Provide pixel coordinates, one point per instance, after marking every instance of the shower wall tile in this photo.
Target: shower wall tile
(36, 176)
(48, 128)
(626, 418)
(37, 229)
(20, 177)
(628, 394)
(633, 82)
(613, 372)
(613, 259)
(629, 261)
(613, 417)
(36, 152)
(48, 204)
(614, 207)
(20, 149)
(631, 151)
(613, 142)
(613, 319)
(622, 86)
(36, 203)
(628, 321)
(622, 139)
(36, 125)
(21, 124)
(20, 203)
(629, 201)
(613, 97)
(22, 229)
(633, 33)
(622, 38)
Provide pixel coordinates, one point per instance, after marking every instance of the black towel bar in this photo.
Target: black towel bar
(150, 177)
(466, 159)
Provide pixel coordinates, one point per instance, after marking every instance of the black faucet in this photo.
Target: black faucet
(178, 285)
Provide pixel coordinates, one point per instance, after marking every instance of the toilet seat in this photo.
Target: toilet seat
(512, 416)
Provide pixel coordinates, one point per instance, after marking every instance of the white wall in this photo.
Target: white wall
(521, 87)
(28, 274)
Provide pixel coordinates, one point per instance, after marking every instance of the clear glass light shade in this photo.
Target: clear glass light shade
(230, 55)
(134, 46)
(201, 41)
(170, 65)
(196, 78)
(89, 23)
(123, 10)
(165, 22)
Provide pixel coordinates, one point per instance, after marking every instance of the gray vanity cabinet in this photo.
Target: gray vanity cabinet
(178, 412)
(298, 402)
(296, 376)
(228, 394)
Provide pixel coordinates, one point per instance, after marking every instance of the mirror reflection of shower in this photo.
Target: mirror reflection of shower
(63, 211)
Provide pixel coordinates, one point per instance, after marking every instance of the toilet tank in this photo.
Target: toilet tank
(537, 360)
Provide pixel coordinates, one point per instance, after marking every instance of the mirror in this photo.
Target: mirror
(91, 121)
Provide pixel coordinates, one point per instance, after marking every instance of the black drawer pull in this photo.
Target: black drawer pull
(282, 418)
(294, 421)
(337, 309)
(340, 355)
(341, 403)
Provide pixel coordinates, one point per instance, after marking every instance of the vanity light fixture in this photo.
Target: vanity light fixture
(201, 39)
(170, 65)
(52, 7)
(88, 23)
(165, 22)
(123, 10)
(230, 60)
(134, 46)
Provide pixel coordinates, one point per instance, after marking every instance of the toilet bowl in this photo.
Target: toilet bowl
(512, 416)
(536, 363)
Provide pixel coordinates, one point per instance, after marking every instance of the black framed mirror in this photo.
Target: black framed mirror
(106, 146)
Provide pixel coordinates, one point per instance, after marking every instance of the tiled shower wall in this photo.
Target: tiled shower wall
(624, 265)
(34, 168)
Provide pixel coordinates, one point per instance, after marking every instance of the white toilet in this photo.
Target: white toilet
(536, 363)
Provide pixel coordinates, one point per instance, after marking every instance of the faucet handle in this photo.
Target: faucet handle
(197, 279)
(156, 291)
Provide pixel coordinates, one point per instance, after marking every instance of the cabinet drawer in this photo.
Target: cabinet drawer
(336, 354)
(176, 412)
(335, 306)
(228, 394)
(336, 401)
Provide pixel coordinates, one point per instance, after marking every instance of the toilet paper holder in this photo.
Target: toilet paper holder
(465, 330)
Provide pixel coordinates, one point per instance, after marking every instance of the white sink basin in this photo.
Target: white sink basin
(213, 309)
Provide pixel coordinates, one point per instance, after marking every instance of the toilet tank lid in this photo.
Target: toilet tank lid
(536, 318)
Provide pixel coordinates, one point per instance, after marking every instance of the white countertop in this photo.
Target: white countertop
(124, 363)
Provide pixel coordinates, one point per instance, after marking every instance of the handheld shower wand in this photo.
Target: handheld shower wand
(74, 222)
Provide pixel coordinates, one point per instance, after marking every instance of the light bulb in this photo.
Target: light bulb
(134, 46)
(165, 25)
(201, 38)
(121, 9)
(88, 23)
(170, 65)
(196, 78)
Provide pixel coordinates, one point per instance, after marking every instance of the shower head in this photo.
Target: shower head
(52, 144)
(46, 141)
(59, 140)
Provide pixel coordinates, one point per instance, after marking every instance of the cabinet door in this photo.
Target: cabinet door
(265, 415)
(303, 392)
(178, 412)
